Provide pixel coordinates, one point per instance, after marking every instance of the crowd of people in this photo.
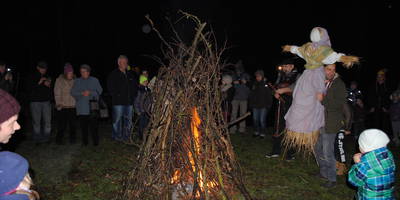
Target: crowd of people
(343, 112)
(74, 100)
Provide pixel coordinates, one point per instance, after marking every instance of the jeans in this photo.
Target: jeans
(325, 155)
(66, 116)
(41, 115)
(259, 120)
(236, 106)
(122, 122)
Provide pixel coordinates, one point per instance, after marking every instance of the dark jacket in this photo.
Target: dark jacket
(260, 95)
(6, 85)
(143, 100)
(122, 87)
(241, 92)
(348, 117)
(334, 103)
(38, 93)
(378, 97)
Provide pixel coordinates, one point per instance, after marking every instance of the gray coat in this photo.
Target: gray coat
(82, 102)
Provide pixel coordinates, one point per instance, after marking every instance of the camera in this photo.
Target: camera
(353, 95)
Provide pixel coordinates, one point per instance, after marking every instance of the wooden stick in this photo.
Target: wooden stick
(239, 119)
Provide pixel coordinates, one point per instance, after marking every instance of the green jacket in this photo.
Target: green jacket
(334, 103)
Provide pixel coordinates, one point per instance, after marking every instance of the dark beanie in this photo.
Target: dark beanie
(13, 169)
(8, 106)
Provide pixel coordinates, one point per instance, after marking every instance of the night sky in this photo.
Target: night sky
(97, 32)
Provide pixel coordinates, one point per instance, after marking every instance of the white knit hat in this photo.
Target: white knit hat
(372, 139)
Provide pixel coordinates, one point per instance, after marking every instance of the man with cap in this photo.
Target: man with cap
(374, 168)
(287, 76)
(40, 95)
(65, 104)
(9, 108)
(15, 181)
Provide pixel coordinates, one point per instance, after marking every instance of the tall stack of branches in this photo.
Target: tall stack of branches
(173, 163)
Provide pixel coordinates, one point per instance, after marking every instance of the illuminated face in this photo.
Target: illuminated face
(381, 78)
(145, 83)
(330, 71)
(287, 68)
(145, 73)
(85, 73)
(69, 75)
(42, 70)
(8, 128)
(259, 77)
(353, 86)
(123, 63)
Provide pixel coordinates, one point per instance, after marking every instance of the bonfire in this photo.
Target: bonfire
(187, 153)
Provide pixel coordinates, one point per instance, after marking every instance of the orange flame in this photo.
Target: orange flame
(195, 124)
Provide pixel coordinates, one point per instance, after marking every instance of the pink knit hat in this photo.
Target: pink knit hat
(68, 68)
(8, 106)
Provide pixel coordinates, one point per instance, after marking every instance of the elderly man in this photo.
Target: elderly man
(122, 85)
(8, 116)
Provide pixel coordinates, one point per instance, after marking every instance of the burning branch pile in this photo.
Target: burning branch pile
(187, 153)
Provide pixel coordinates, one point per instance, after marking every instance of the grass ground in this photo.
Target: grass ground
(70, 172)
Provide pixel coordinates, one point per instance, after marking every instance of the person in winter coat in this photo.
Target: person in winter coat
(86, 89)
(260, 102)
(374, 168)
(122, 85)
(143, 103)
(15, 182)
(65, 104)
(40, 96)
(228, 92)
(239, 103)
(9, 108)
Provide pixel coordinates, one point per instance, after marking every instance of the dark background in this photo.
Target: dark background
(96, 32)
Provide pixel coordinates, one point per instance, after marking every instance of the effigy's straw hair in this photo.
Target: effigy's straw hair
(302, 142)
(349, 61)
(187, 153)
